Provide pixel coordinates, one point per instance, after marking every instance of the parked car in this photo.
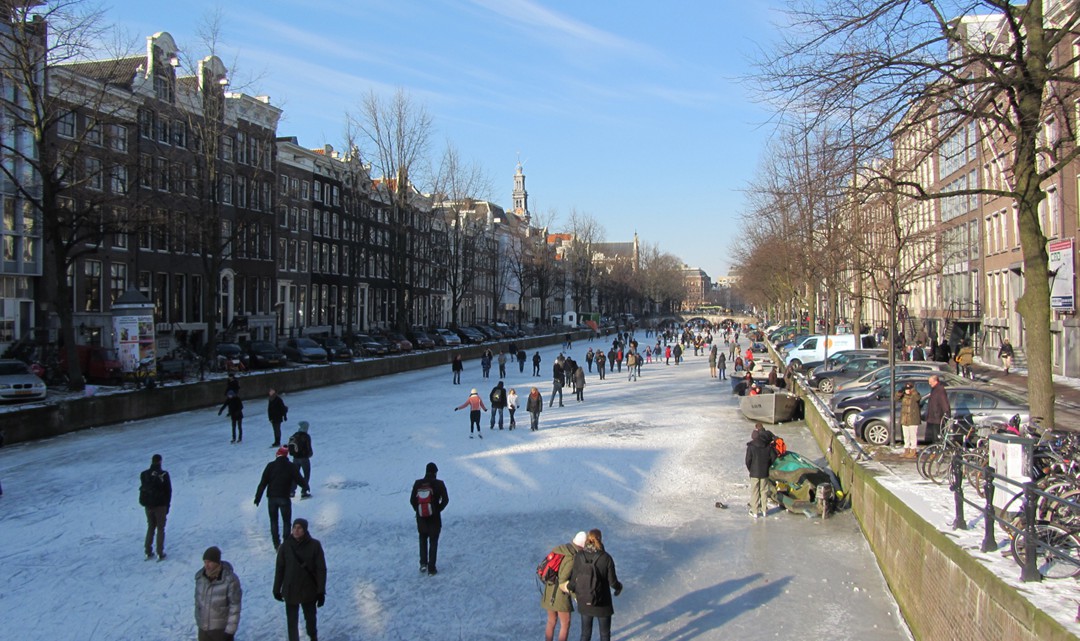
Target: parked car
(966, 403)
(489, 333)
(391, 346)
(403, 343)
(230, 356)
(470, 336)
(848, 407)
(304, 350)
(826, 380)
(336, 349)
(420, 339)
(838, 359)
(18, 383)
(264, 354)
(929, 367)
(445, 338)
(364, 345)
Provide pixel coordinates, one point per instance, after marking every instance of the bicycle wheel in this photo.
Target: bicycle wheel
(974, 475)
(929, 453)
(1065, 515)
(1056, 551)
(937, 470)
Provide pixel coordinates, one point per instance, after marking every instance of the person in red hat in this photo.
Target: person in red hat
(279, 477)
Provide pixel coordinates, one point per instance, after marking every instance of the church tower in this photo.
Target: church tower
(521, 197)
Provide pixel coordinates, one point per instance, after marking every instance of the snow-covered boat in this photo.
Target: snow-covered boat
(772, 405)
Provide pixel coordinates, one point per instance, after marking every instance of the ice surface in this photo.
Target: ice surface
(643, 461)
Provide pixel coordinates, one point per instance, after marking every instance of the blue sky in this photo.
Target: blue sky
(630, 111)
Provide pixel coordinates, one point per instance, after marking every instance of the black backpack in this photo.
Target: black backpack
(587, 584)
(152, 488)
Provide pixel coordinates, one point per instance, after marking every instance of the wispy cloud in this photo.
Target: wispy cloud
(543, 23)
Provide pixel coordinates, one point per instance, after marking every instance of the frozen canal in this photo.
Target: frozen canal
(643, 461)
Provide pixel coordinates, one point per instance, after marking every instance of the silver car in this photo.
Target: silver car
(18, 383)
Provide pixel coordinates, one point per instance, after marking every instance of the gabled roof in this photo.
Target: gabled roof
(612, 250)
(118, 71)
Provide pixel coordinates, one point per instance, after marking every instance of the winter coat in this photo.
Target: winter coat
(554, 599)
(534, 404)
(936, 408)
(910, 413)
(155, 487)
(300, 575)
(502, 358)
(234, 405)
(300, 445)
(440, 498)
(557, 374)
(474, 403)
(511, 400)
(579, 378)
(605, 566)
(600, 359)
(536, 358)
(965, 356)
(760, 454)
(456, 365)
(1006, 351)
(276, 410)
(217, 602)
(279, 477)
(497, 396)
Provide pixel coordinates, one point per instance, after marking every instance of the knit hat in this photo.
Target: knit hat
(212, 553)
(473, 391)
(302, 523)
(283, 451)
(432, 468)
(304, 426)
(579, 539)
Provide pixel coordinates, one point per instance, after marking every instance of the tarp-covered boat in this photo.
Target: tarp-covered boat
(802, 487)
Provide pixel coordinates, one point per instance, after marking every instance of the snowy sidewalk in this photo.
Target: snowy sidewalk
(643, 461)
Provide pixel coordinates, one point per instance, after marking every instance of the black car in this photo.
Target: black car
(336, 349)
(264, 354)
(966, 403)
(469, 336)
(365, 345)
(420, 339)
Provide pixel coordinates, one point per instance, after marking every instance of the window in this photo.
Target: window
(163, 89)
(161, 172)
(292, 255)
(92, 286)
(119, 180)
(146, 124)
(316, 220)
(65, 126)
(304, 223)
(302, 259)
(294, 187)
(241, 191)
(282, 257)
(180, 134)
(227, 148)
(93, 132)
(146, 171)
(305, 188)
(163, 130)
(117, 281)
(266, 202)
(294, 219)
(226, 195)
(284, 185)
(336, 196)
(94, 179)
(315, 256)
(118, 138)
(120, 238)
(316, 191)
(241, 148)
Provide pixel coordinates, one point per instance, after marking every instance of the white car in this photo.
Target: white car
(18, 383)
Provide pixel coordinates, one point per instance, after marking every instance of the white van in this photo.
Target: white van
(813, 348)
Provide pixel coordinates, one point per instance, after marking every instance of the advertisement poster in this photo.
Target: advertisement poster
(1062, 291)
(134, 341)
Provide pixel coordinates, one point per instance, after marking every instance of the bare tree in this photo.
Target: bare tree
(394, 134)
(585, 233)
(533, 265)
(458, 187)
(661, 275)
(912, 69)
(52, 115)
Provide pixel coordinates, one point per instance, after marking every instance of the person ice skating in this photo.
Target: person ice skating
(300, 579)
(218, 598)
(589, 356)
(428, 499)
(498, 403)
(721, 366)
(236, 415)
(557, 383)
(512, 405)
(277, 412)
(712, 361)
(594, 561)
(667, 355)
(536, 363)
(301, 451)
(534, 405)
(232, 385)
(279, 477)
(502, 363)
(760, 455)
(1006, 355)
(521, 356)
(910, 417)
(556, 598)
(155, 495)
(485, 363)
(475, 404)
(456, 366)
(601, 361)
